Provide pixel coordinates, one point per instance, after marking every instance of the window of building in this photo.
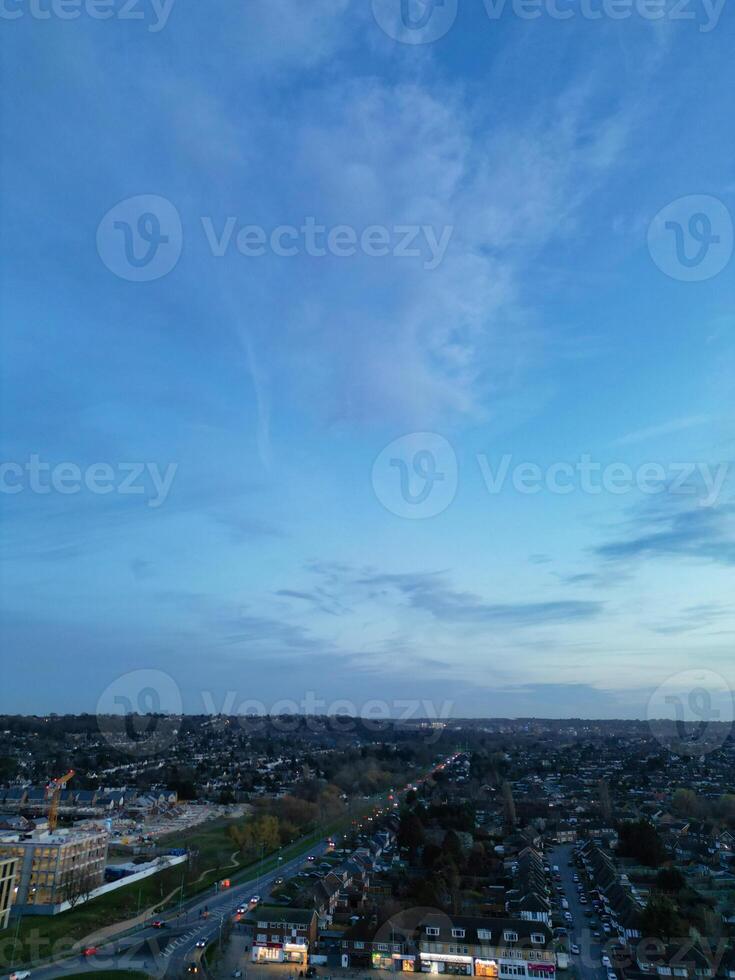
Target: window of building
(458, 933)
(509, 936)
(537, 937)
(432, 931)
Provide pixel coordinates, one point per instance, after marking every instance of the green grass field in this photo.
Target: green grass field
(42, 937)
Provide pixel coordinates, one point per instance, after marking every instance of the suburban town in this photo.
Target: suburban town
(367, 489)
(495, 848)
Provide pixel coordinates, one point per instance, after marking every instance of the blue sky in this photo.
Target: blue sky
(283, 560)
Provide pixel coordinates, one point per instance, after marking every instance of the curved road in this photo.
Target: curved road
(167, 952)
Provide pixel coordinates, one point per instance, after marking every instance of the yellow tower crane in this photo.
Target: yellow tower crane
(53, 793)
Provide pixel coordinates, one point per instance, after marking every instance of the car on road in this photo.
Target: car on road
(254, 899)
(194, 968)
(574, 949)
(612, 975)
(606, 961)
(596, 934)
(20, 975)
(568, 916)
(278, 881)
(311, 858)
(158, 924)
(201, 943)
(89, 951)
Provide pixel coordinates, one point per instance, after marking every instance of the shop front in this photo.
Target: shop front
(267, 953)
(542, 971)
(404, 963)
(296, 953)
(486, 968)
(446, 963)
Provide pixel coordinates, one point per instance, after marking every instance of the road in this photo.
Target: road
(167, 952)
(589, 962)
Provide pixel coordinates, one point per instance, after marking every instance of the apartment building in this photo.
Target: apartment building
(8, 868)
(55, 868)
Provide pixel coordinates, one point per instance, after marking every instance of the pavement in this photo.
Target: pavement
(168, 952)
(172, 951)
(589, 963)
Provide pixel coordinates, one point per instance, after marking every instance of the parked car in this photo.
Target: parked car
(574, 949)
(606, 961)
(612, 975)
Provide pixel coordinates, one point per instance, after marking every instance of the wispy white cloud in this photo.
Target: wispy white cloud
(663, 429)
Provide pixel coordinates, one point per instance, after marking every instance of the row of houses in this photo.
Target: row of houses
(619, 898)
(412, 941)
(529, 897)
(15, 798)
